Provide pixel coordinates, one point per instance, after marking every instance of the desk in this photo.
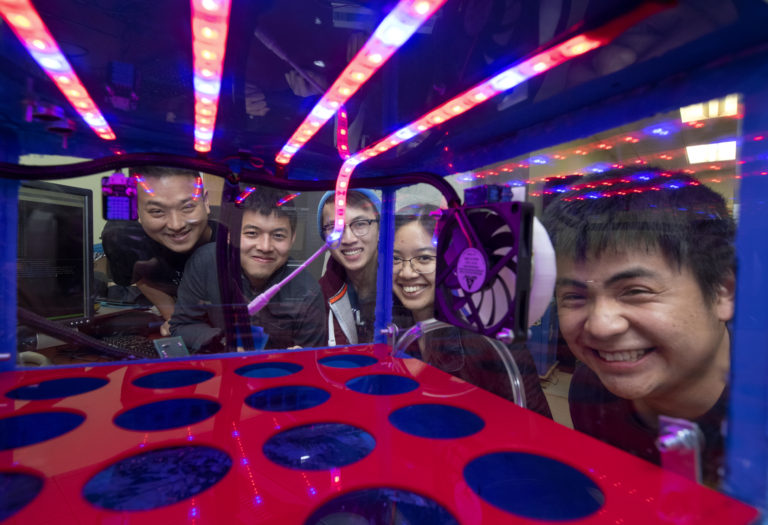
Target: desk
(66, 354)
(317, 436)
(54, 343)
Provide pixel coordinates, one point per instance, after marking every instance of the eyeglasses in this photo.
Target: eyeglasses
(419, 264)
(359, 227)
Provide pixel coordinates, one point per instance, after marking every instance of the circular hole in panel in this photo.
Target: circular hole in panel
(28, 429)
(157, 478)
(381, 505)
(17, 489)
(285, 398)
(57, 388)
(279, 369)
(173, 378)
(166, 414)
(382, 384)
(436, 421)
(533, 486)
(319, 446)
(348, 361)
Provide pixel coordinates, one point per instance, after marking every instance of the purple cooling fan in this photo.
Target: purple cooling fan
(483, 275)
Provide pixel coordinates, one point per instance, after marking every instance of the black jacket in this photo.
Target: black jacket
(126, 244)
(294, 317)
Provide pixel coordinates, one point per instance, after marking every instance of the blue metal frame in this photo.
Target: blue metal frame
(9, 218)
(747, 433)
(384, 273)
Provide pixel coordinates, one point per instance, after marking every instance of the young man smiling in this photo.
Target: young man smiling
(172, 222)
(349, 280)
(644, 291)
(293, 317)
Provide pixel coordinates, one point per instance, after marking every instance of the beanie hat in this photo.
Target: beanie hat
(329, 194)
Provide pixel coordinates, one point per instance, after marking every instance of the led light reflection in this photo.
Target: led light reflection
(244, 195)
(287, 198)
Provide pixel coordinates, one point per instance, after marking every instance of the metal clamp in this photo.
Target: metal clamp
(391, 331)
(680, 442)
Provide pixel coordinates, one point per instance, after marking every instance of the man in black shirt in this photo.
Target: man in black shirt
(644, 291)
(294, 317)
(173, 221)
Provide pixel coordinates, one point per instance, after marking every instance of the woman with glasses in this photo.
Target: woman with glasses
(349, 281)
(462, 353)
(415, 260)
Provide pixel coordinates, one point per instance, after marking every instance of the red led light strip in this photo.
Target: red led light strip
(210, 23)
(615, 193)
(478, 94)
(342, 134)
(25, 22)
(512, 166)
(392, 33)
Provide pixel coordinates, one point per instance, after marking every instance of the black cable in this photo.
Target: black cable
(69, 335)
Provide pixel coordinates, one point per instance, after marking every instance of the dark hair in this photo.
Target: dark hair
(425, 214)
(267, 201)
(646, 209)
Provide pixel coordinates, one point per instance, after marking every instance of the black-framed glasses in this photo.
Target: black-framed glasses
(419, 264)
(359, 227)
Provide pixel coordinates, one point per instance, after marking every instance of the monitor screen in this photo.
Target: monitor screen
(55, 244)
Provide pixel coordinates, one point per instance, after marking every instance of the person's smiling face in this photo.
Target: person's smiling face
(265, 242)
(643, 326)
(415, 290)
(355, 253)
(175, 213)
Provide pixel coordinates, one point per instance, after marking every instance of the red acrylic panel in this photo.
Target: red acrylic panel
(255, 489)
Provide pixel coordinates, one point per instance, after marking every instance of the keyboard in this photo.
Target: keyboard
(138, 345)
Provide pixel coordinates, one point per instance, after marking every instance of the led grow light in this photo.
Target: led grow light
(392, 33)
(34, 35)
(480, 93)
(470, 98)
(503, 81)
(342, 134)
(210, 22)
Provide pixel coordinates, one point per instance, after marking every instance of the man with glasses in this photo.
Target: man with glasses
(349, 281)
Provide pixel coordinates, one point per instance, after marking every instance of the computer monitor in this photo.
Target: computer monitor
(55, 252)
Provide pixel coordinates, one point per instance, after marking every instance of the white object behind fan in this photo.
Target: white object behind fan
(543, 273)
